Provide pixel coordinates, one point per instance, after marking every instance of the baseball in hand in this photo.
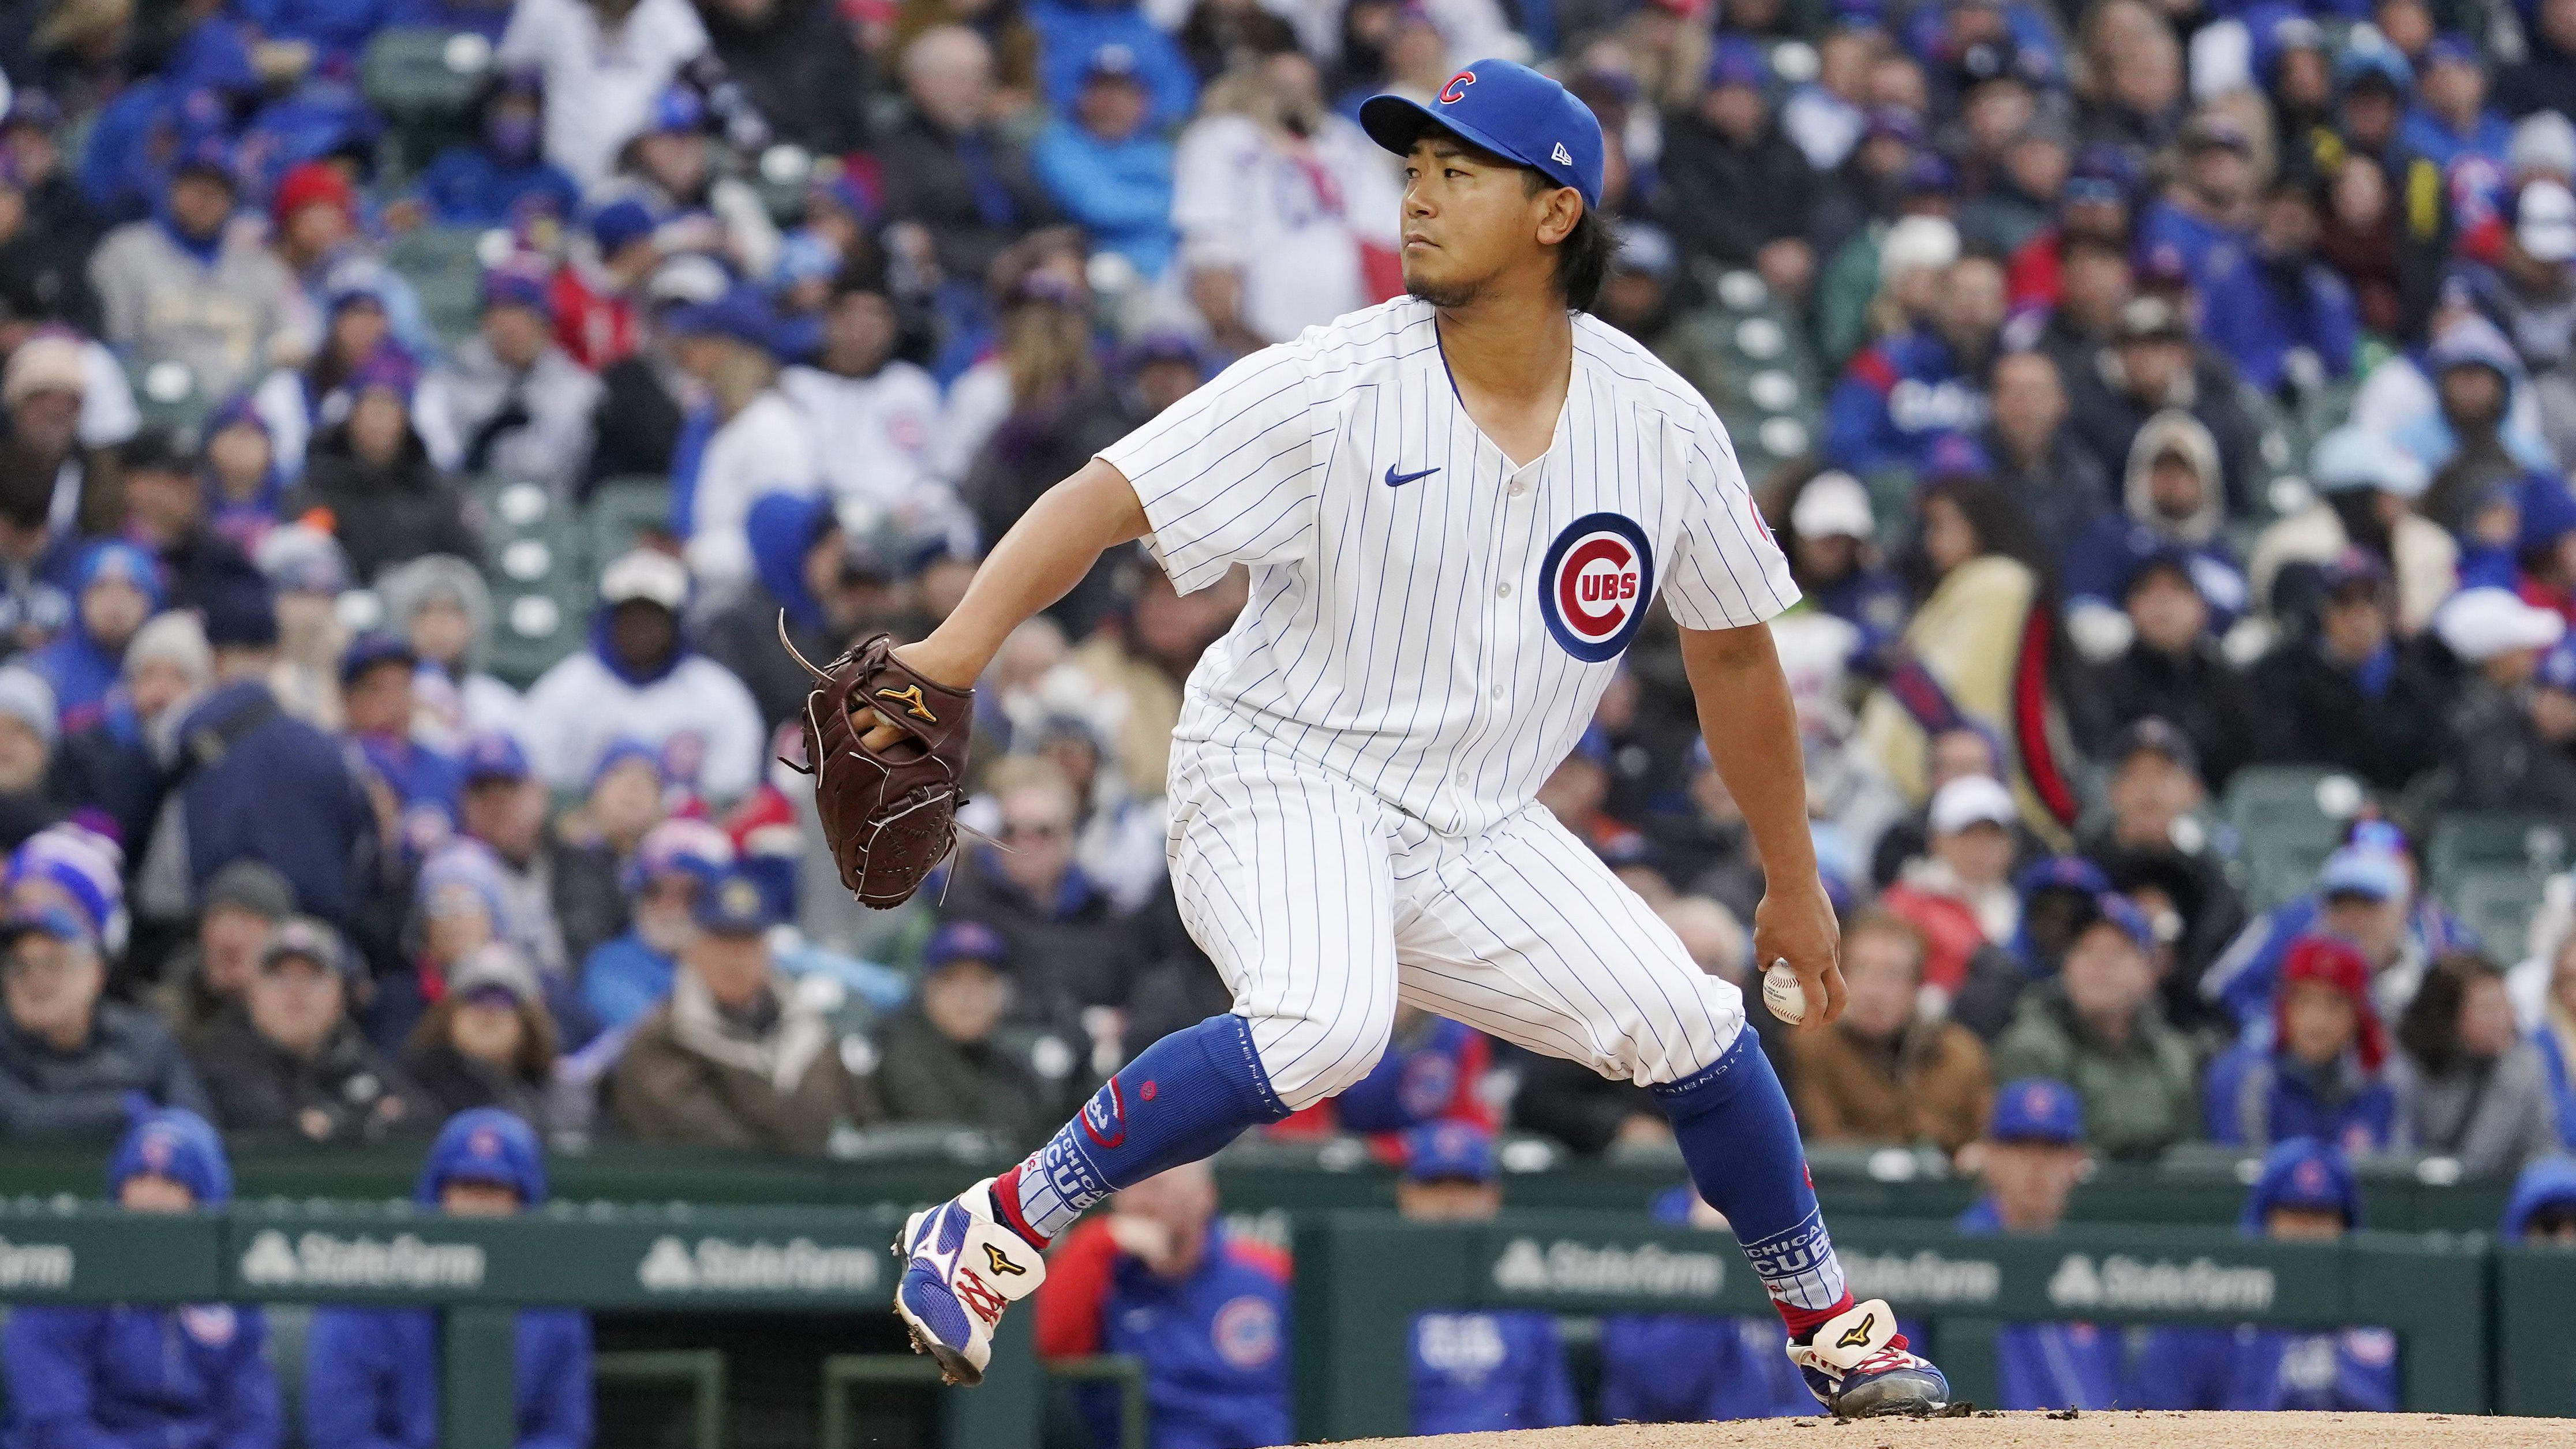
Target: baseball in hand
(1782, 993)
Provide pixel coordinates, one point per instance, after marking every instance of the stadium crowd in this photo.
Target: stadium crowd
(2196, 400)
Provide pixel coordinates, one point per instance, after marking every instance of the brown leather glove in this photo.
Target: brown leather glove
(890, 815)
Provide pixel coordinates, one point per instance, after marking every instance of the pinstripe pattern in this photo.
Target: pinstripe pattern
(1394, 637)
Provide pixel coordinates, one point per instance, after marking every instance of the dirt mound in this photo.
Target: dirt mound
(2113, 1430)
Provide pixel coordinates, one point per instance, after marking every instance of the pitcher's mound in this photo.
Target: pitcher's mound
(2110, 1429)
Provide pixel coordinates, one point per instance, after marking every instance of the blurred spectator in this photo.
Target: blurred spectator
(294, 403)
(875, 417)
(949, 172)
(116, 763)
(2208, 214)
(45, 389)
(2281, 317)
(1828, 533)
(1729, 148)
(1475, 1372)
(1071, 33)
(2543, 1206)
(2030, 1160)
(2174, 503)
(421, 784)
(2350, 695)
(1906, 393)
(508, 402)
(1063, 410)
(313, 229)
(440, 606)
(133, 1373)
(830, 585)
(29, 731)
(625, 977)
(2060, 896)
(1959, 896)
(287, 1057)
(755, 444)
(2172, 670)
(2544, 996)
(2038, 463)
(2306, 1194)
(500, 177)
(939, 1059)
(1286, 211)
(670, 167)
(1889, 1071)
(306, 568)
(1143, 653)
(165, 516)
(2476, 410)
(387, 501)
(2528, 292)
(2494, 756)
(275, 790)
(800, 67)
(115, 587)
(195, 285)
(69, 1061)
(597, 294)
(2467, 1087)
(1158, 1277)
(561, 900)
(1069, 946)
(639, 680)
(371, 1375)
(2364, 895)
(2155, 841)
(1106, 168)
(241, 478)
(2323, 1076)
(739, 1056)
(1675, 1368)
(2367, 490)
(241, 905)
(487, 1042)
(458, 904)
(2148, 368)
(604, 66)
(2097, 1027)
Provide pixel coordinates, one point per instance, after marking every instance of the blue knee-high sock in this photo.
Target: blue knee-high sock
(1180, 1100)
(1733, 1122)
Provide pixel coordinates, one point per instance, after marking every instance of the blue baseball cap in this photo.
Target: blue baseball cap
(493, 755)
(964, 941)
(1508, 109)
(2037, 1109)
(2118, 911)
(733, 904)
(1449, 1152)
(369, 650)
(2370, 871)
(1736, 61)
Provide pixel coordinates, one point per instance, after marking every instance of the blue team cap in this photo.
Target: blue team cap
(2037, 1109)
(2452, 48)
(369, 650)
(2116, 909)
(964, 941)
(733, 905)
(1736, 61)
(494, 755)
(2372, 872)
(1505, 108)
(1449, 1152)
(2558, 666)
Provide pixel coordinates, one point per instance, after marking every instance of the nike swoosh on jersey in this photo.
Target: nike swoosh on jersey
(1398, 480)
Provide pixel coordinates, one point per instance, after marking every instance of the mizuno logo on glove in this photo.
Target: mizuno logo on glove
(910, 698)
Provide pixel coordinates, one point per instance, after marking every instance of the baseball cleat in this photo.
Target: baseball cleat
(1857, 1365)
(961, 1269)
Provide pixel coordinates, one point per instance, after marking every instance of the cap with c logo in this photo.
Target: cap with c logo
(1508, 109)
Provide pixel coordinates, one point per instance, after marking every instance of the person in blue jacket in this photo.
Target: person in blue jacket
(1676, 1368)
(371, 1375)
(1904, 394)
(627, 976)
(1071, 32)
(115, 587)
(1158, 1277)
(2542, 1208)
(1474, 1371)
(1106, 169)
(2366, 894)
(2033, 1154)
(136, 1376)
(375, 690)
(2274, 310)
(502, 176)
(2452, 126)
(2306, 1194)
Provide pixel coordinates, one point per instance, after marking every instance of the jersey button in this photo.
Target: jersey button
(1498, 694)
(1503, 590)
(1519, 487)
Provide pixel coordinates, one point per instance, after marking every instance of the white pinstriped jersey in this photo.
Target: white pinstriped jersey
(1427, 620)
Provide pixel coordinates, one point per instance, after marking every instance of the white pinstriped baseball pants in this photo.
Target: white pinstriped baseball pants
(1323, 906)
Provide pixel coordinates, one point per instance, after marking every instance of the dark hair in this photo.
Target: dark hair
(2000, 525)
(1583, 258)
(2430, 1029)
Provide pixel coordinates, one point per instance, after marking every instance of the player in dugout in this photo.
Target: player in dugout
(1476, 1371)
(371, 1378)
(145, 1376)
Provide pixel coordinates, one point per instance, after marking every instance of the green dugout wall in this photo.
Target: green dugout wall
(1361, 1277)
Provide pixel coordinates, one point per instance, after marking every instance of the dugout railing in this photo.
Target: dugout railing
(1362, 1276)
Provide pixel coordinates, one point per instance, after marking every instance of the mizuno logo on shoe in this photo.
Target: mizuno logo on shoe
(1002, 1264)
(1858, 1335)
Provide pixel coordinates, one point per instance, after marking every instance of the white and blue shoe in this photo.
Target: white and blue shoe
(961, 1269)
(1858, 1367)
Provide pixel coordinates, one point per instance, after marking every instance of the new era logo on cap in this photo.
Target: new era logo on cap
(1560, 156)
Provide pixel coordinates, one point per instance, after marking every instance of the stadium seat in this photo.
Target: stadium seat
(2288, 819)
(169, 395)
(422, 81)
(623, 510)
(444, 265)
(2497, 903)
(538, 565)
(2493, 845)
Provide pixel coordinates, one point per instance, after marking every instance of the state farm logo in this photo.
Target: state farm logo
(721, 1265)
(1594, 585)
(1926, 1277)
(35, 1265)
(1651, 1271)
(328, 1260)
(2121, 1281)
